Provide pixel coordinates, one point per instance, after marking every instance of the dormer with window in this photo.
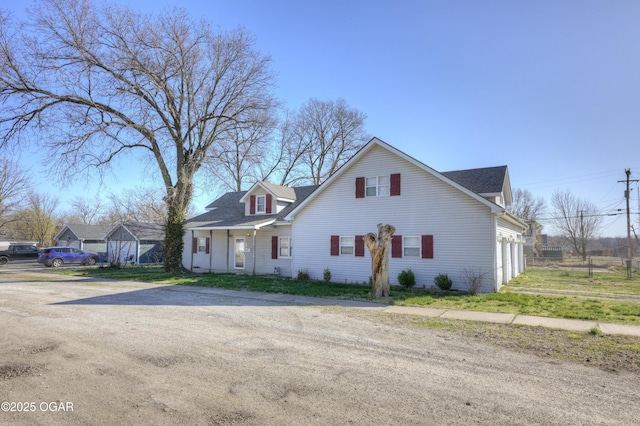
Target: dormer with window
(264, 198)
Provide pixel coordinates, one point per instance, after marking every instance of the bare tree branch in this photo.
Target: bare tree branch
(576, 219)
(96, 83)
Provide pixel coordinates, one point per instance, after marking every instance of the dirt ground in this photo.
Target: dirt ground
(82, 351)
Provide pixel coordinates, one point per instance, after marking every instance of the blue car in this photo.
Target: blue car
(58, 256)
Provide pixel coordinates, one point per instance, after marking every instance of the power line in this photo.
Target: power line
(618, 213)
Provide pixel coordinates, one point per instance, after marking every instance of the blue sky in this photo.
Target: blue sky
(549, 88)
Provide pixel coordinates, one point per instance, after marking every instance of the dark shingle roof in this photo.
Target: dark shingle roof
(488, 180)
(88, 232)
(228, 211)
(140, 230)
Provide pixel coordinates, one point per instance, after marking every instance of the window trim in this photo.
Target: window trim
(280, 255)
(201, 245)
(418, 246)
(264, 204)
(377, 186)
(347, 246)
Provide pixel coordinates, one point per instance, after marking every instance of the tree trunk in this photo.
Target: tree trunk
(379, 246)
(178, 199)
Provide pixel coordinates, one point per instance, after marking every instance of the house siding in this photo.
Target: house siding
(217, 261)
(461, 225)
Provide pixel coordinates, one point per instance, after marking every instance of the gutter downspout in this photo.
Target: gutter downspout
(494, 244)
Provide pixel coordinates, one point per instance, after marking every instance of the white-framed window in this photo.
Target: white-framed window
(377, 186)
(411, 246)
(261, 202)
(346, 245)
(285, 247)
(202, 245)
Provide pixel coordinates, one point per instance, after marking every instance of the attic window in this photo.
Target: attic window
(260, 203)
(377, 186)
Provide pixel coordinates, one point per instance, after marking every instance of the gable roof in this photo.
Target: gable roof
(377, 142)
(83, 231)
(283, 193)
(227, 212)
(488, 180)
(140, 230)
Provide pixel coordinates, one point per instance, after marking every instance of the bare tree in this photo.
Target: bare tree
(98, 83)
(329, 132)
(236, 162)
(576, 219)
(37, 221)
(525, 206)
(286, 154)
(14, 186)
(136, 205)
(83, 210)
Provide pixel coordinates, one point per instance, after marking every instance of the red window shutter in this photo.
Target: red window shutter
(195, 245)
(396, 246)
(360, 187)
(359, 245)
(274, 247)
(207, 245)
(335, 245)
(252, 204)
(427, 246)
(394, 180)
(268, 201)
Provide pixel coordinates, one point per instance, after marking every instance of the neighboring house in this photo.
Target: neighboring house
(135, 242)
(83, 237)
(244, 232)
(454, 223)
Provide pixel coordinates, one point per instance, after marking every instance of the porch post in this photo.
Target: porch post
(192, 237)
(254, 251)
(228, 236)
(211, 250)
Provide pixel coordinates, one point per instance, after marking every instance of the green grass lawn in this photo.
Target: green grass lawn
(611, 281)
(600, 299)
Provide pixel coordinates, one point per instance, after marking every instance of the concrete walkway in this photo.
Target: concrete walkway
(501, 318)
(494, 317)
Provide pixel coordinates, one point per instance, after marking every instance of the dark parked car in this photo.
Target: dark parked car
(18, 252)
(58, 256)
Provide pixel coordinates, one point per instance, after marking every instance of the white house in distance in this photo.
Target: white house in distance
(83, 237)
(454, 223)
(135, 242)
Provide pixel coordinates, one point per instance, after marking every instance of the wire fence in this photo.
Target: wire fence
(599, 262)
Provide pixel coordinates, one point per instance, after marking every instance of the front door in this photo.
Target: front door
(239, 253)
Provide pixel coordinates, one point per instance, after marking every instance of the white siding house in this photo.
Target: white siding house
(244, 232)
(135, 242)
(453, 223)
(84, 237)
(441, 225)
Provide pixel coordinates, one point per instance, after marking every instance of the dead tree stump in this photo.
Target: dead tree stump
(379, 246)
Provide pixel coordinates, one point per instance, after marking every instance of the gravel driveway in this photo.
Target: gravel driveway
(83, 351)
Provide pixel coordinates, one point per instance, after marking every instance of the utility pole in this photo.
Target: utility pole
(627, 195)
